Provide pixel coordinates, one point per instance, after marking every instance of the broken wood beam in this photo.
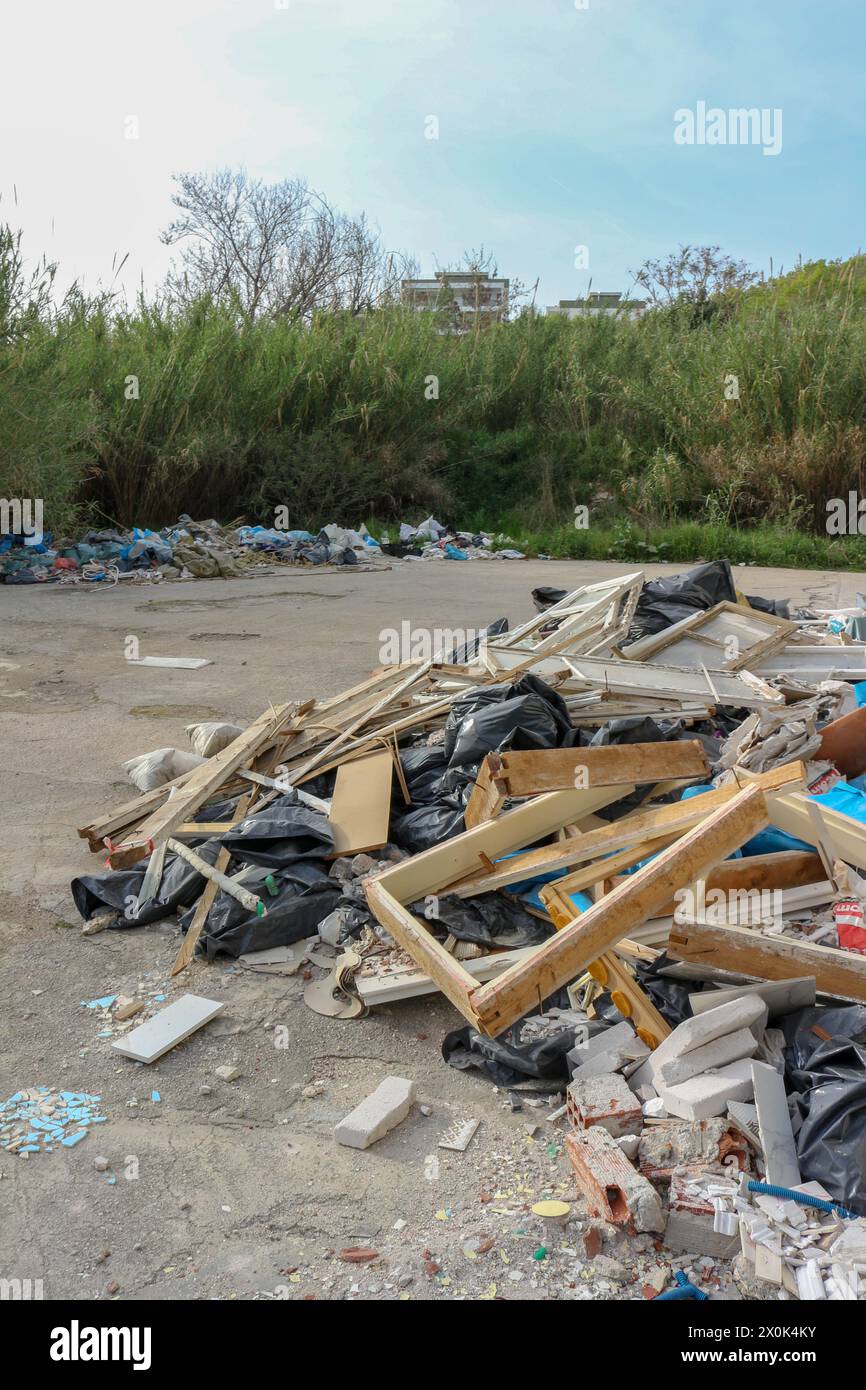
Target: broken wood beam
(557, 961)
(631, 829)
(744, 951)
(531, 772)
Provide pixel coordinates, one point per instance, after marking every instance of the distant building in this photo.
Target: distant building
(469, 298)
(598, 303)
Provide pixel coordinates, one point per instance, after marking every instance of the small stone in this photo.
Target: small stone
(357, 1254)
(228, 1073)
(205, 1090)
(101, 1164)
(425, 1109)
(113, 1287)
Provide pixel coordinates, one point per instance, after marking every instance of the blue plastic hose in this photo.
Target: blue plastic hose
(804, 1198)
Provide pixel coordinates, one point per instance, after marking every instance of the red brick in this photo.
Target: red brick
(614, 1190)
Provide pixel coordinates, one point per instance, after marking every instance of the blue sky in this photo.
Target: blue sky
(555, 125)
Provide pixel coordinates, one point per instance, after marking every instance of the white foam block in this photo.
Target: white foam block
(701, 1097)
(167, 1028)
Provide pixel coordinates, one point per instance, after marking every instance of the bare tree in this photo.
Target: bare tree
(692, 275)
(274, 249)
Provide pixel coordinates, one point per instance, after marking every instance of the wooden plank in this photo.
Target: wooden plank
(487, 799)
(204, 782)
(602, 869)
(449, 975)
(434, 868)
(502, 1002)
(763, 872)
(743, 951)
(361, 804)
(535, 771)
(630, 999)
(187, 947)
(632, 829)
(386, 700)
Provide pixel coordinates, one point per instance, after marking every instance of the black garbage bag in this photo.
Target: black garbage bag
(831, 1099)
(459, 782)
(119, 889)
(427, 825)
(424, 769)
(506, 1064)
(305, 897)
(525, 714)
(637, 729)
(545, 597)
(779, 606)
(280, 833)
(491, 919)
(671, 997)
(840, 1021)
(666, 601)
(460, 655)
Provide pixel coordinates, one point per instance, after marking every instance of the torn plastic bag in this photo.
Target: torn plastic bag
(424, 826)
(831, 1140)
(506, 1064)
(463, 654)
(488, 920)
(285, 830)
(545, 597)
(846, 1021)
(294, 913)
(119, 889)
(527, 714)
(778, 606)
(637, 729)
(666, 601)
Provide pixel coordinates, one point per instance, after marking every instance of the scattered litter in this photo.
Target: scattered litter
(38, 1119)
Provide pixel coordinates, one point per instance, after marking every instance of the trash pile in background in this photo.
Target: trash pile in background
(627, 840)
(206, 550)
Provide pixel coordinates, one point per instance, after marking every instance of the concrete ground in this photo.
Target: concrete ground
(238, 1190)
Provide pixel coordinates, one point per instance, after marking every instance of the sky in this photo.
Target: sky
(555, 125)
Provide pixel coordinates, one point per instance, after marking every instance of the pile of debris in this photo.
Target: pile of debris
(612, 837)
(205, 550)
